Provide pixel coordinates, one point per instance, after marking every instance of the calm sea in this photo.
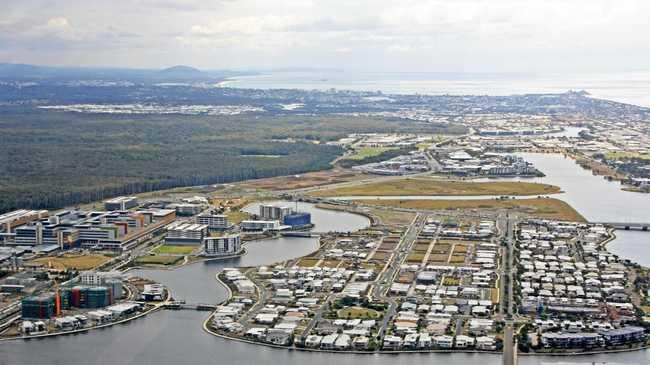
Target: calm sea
(626, 87)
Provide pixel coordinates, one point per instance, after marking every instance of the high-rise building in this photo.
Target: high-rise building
(274, 212)
(297, 220)
(222, 246)
(38, 307)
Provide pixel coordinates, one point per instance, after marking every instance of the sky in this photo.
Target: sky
(528, 36)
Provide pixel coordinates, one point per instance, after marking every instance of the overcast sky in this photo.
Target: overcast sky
(395, 35)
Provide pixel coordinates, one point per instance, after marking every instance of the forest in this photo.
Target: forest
(52, 159)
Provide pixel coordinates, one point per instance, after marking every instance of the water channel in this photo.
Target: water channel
(176, 337)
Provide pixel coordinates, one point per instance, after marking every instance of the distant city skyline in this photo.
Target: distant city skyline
(434, 36)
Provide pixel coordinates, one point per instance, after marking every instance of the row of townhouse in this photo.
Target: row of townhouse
(424, 341)
(606, 337)
(578, 286)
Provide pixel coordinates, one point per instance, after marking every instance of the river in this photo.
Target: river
(176, 337)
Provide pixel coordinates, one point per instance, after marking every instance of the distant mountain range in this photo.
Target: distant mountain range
(175, 73)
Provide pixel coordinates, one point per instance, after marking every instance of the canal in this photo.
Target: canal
(176, 337)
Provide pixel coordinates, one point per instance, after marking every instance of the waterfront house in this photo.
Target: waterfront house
(392, 343)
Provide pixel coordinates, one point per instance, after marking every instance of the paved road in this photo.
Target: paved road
(502, 227)
(507, 224)
(509, 351)
(385, 281)
(510, 241)
(263, 296)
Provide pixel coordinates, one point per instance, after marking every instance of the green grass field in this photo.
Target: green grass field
(621, 155)
(357, 312)
(158, 260)
(366, 152)
(174, 249)
(438, 187)
(536, 207)
(72, 261)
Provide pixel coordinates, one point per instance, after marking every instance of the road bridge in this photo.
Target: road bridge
(639, 226)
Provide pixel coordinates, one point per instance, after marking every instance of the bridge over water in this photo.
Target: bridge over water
(181, 304)
(626, 225)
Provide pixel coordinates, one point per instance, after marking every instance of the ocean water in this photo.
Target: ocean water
(625, 87)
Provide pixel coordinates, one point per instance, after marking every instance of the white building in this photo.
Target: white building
(274, 212)
(222, 246)
(121, 203)
(215, 222)
(249, 225)
(98, 277)
(181, 233)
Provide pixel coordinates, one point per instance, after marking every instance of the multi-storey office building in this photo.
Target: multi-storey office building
(215, 222)
(121, 203)
(182, 233)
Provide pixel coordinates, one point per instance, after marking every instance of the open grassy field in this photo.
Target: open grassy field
(158, 260)
(358, 312)
(438, 187)
(457, 259)
(535, 207)
(420, 247)
(175, 249)
(331, 263)
(73, 261)
(301, 181)
(366, 152)
(380, 255)
(415, 257)
(307, 262)
(237, 217)
(460, 249)
(622, 155)
(438, 257)
(388, 217)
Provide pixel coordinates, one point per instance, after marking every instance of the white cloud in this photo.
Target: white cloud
(59, 23)
(494, 35)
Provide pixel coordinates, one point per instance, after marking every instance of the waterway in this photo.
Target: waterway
(599, 200)
(594, 197)
(428, 197)
(175, 337)
(324, 220)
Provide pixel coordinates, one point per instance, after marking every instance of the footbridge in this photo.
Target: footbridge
(301, 234)
(181, 304)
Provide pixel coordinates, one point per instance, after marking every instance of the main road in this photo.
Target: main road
(507, 224)
(387, 277)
